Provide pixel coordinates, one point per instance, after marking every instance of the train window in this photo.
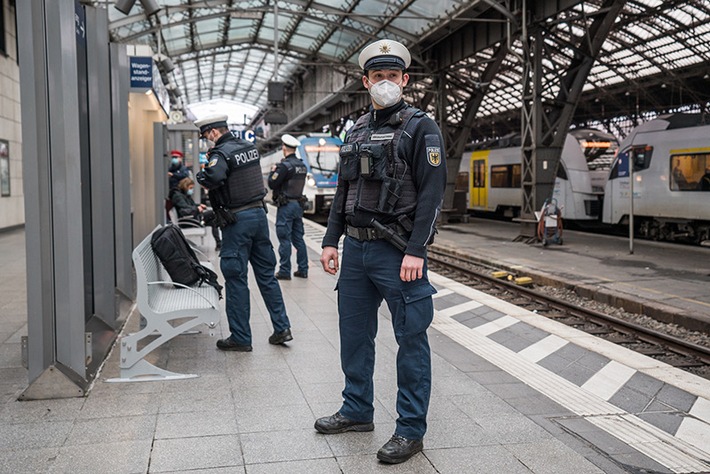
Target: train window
(4, 168)
(479, 173)
(689, 172)
(323, 159)
(505, 176)
(461, 181)
(641, 156)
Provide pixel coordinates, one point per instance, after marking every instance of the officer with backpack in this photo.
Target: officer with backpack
(236, 188)
(287, 180)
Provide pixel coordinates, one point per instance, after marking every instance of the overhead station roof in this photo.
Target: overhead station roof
(227, 49)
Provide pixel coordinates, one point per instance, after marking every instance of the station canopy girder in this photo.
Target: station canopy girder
(659, 50)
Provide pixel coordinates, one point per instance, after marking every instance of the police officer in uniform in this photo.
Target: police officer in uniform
(390, 189)
(236, 188)
(287, 180)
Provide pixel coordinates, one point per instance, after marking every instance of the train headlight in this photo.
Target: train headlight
(310, 180)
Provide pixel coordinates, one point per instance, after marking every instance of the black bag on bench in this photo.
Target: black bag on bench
(178, 258)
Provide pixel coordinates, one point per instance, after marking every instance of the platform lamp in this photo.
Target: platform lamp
(151, 7)
(165, 63)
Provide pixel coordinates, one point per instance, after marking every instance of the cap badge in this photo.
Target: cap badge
(385, 49)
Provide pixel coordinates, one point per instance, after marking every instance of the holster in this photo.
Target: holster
(223, 217)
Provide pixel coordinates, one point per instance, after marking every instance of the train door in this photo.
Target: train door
(479, 182)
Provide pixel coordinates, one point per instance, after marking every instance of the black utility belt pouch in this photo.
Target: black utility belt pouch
(224, 217)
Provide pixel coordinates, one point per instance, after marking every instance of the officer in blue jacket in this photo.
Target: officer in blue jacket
(390, 189)
(236, 187)
(287, 180)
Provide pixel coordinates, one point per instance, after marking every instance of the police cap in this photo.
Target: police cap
(176, 153)
(385, 54)
(208, 123)
(290, 141)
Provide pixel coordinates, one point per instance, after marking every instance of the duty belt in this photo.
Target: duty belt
(251, 205)
(370, 233)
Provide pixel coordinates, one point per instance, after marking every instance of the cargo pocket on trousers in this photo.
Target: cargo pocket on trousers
(418, 309)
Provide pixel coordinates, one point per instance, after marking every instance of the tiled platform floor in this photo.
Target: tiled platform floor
(254, 412)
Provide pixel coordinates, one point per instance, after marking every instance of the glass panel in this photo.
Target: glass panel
(4, 168)
(690, 172)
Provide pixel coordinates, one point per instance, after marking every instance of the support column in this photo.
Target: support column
(52, 180)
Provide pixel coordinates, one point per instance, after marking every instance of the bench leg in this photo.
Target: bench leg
(134, 368)
(144, 371)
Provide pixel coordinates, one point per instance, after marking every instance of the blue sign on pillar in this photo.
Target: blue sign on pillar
(141, 72)
(247, 135)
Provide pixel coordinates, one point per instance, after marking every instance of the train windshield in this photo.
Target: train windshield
(322, 159)
(599, 148)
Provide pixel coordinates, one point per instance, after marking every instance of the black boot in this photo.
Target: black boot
(339, 424)
(398, 449)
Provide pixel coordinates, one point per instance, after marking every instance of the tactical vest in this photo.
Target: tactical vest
(245, 183)
(293, 187)
(378, 180)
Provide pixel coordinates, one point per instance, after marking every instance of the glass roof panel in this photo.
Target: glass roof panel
(651, 37)
(310, 28)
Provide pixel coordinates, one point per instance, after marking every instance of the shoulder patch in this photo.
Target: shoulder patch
(433, 155)
(212, 162)
(274, 175)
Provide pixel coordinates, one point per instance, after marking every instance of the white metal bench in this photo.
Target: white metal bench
(161, 302)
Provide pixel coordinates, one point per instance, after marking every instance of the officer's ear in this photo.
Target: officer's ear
(405, 79)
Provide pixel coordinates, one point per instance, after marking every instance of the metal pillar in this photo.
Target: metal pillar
(123, 223)
(546, 119)
(456, 138)
(103, 316)
(53, 204)
(69, 177)
(160, 185)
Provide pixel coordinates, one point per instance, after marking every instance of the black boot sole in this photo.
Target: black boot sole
(359, 428)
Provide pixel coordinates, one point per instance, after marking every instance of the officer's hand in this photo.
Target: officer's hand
(412, 268)
(329, 260)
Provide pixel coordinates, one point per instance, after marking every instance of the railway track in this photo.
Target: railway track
(661, 346)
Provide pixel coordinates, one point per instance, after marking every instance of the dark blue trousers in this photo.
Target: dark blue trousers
(370, 273)
(247, 241)
(289, 230)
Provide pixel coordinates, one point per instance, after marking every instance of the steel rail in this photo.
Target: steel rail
(666, 341)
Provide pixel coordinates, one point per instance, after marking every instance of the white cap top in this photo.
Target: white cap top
(290, 141)
(213, 121)
(385, 54)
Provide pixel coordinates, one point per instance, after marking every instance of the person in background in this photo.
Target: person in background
(679, 182)
(185, 205)
(705, 180)
(236, 187)
(390, 189)
(177, 170)
(287, 180)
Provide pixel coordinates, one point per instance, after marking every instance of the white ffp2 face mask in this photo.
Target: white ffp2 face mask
(386, 93)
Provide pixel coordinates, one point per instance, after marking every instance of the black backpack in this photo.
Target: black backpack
(178, 258)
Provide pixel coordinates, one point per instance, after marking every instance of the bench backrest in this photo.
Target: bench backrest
(148, 268)
(173, 215)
